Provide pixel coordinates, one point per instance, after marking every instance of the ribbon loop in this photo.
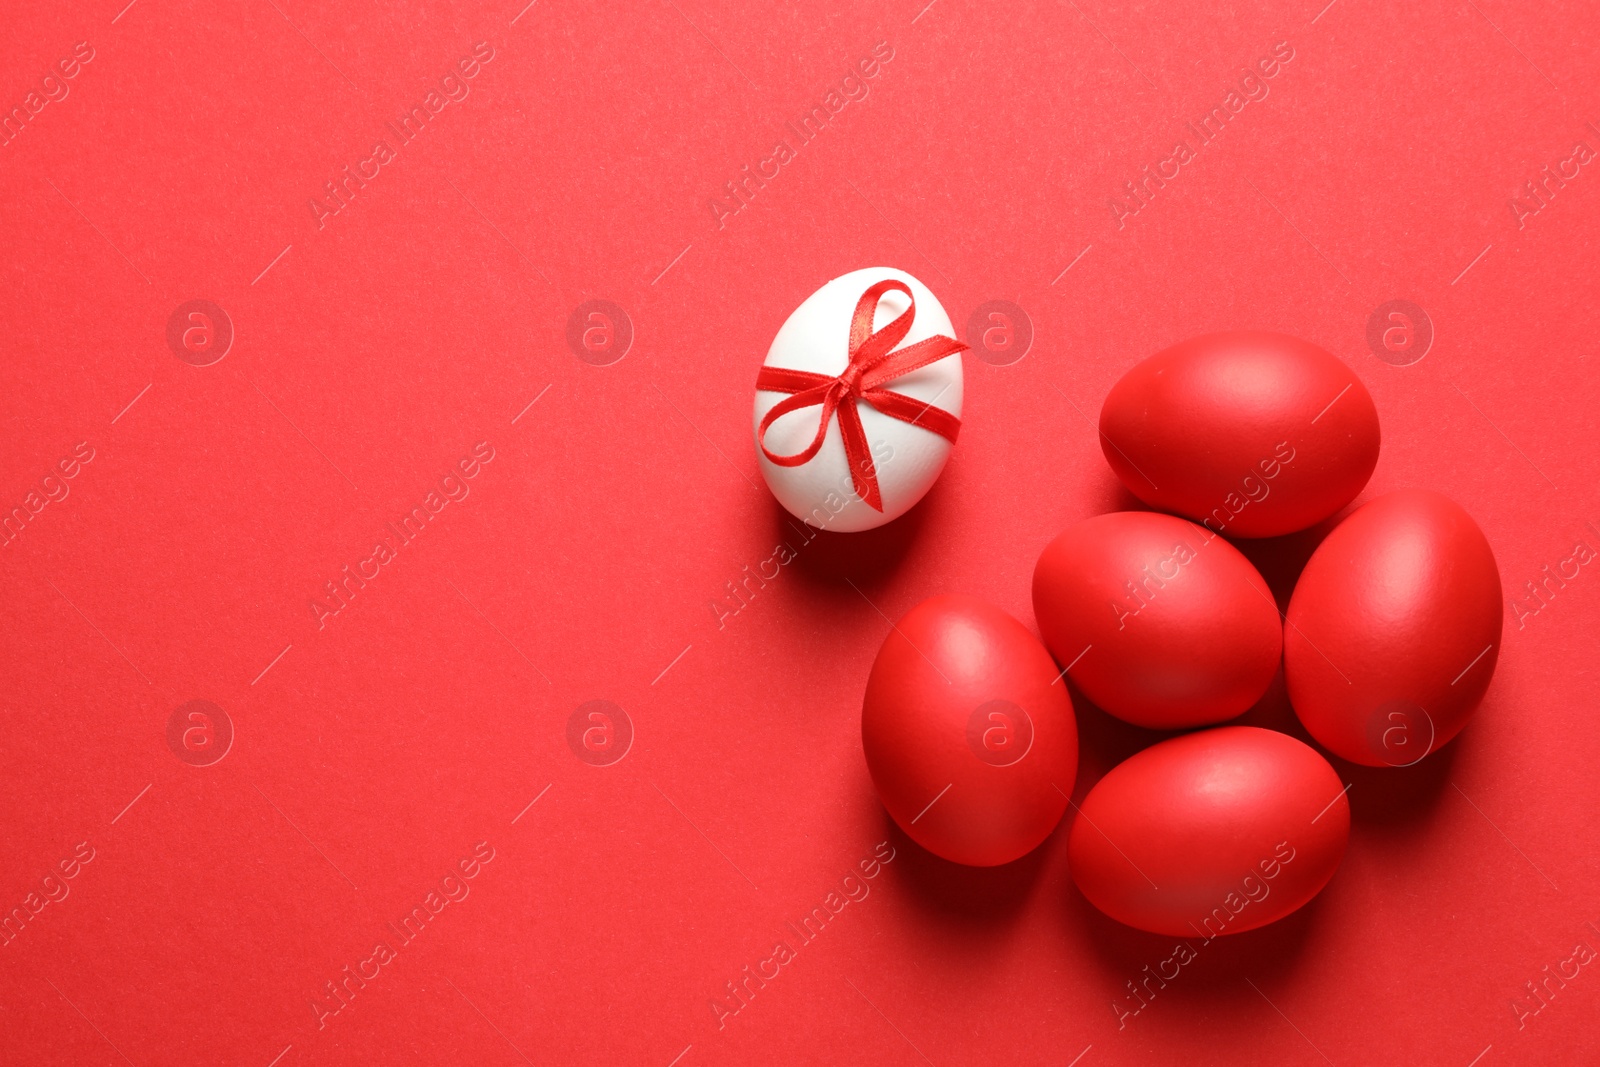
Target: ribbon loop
(874, 361)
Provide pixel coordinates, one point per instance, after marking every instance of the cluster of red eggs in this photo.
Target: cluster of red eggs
(1388, 644)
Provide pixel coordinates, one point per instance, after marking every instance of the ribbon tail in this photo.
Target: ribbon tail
(857, 453)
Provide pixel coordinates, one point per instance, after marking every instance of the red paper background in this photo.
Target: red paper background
(373, 353)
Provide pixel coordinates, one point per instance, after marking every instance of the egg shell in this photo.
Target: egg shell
(1254, 434)
(1159, 621)
(972, 749)
(1210, 833)
(908, 458)
(1394, 629)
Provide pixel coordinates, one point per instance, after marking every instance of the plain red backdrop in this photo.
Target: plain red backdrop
(371, 354)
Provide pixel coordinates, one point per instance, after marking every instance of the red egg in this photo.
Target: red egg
(1210, 833)
(972, 749)
(1394, 629)
(1253, 434)
(1159, 621)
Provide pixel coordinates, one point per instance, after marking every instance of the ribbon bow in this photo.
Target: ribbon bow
(873, 361)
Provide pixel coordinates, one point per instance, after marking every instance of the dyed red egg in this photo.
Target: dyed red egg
(1252, 434)
(1211, 833)
(1159, 621)
(972, 749)
(1394, 629)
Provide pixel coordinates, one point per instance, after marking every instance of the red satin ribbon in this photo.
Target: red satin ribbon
(873, 361)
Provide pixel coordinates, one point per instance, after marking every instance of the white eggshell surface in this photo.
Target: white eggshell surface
(908, 458)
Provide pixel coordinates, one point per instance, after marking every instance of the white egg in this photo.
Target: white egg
(906, 457)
